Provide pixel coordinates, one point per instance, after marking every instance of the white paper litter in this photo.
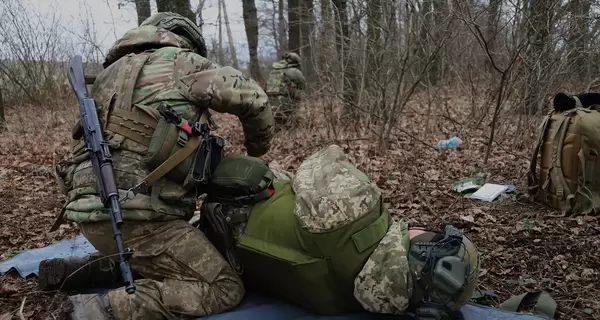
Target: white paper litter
(489, 192)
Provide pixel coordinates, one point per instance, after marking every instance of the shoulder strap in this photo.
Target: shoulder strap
(532, 177)
(126, 83)
(541, 301)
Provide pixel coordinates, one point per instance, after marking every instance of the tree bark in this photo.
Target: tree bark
(294, 26)
(306, 26)
(282, 33)
(251, 26)
(373, 31)
(2, 119)
(492, 30)
(232, 51)
(183, 7)
(142, 7)
(579, 38)
(221, 57)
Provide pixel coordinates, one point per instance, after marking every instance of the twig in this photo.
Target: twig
(21, 309)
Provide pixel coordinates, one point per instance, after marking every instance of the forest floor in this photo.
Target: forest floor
(522, 248)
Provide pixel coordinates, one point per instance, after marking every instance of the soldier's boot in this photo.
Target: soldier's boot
(90, 307)
(77, 273)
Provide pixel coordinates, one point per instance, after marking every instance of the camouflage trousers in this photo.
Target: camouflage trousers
(285, 109)
(185, 276)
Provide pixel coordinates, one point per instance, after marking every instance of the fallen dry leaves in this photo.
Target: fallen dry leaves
(521, 248)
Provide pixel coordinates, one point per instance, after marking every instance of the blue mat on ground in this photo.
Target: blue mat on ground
(254, 307)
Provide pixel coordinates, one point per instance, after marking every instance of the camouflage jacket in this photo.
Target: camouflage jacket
(188, 82)
(285, 79)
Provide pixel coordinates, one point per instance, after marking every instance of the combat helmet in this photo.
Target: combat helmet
(431, 275)
(445, 270)
(291, 57)
(181, 26)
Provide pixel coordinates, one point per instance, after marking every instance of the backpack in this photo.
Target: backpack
(568, 145)
(307, 242)
(276, 84)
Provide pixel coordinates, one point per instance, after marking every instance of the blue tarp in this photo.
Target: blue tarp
(254, 307)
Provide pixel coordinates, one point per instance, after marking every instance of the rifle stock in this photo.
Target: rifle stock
(101, 162)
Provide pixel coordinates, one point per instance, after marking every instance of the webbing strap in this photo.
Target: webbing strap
(577, 102)
(556, 174)
(532, 178)
(126, 83)
(136, 126)
(542, 303)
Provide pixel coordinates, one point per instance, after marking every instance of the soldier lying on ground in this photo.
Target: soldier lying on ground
(161, 64)
(284, 87)
(323, 239)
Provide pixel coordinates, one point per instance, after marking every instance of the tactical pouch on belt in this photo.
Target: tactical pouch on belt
(241, 179)
(195, 166)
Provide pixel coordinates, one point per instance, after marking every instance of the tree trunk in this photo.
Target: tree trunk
(306, 26)
(282, 33)
(2, 119)
(492, 30)
(579, 38)
(294, 26)
(373, 31)
(233, 53)
(538, 32)
(199, 10)
(221, 57)
(341, 26)
(183, 7)
(251, 25)
(142, 7)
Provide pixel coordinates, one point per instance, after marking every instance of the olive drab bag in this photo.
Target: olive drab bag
(568, 177)
(307, 242)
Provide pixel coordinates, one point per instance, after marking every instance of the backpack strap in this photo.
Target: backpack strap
(541, 301)
(532, 177)
(556, 174)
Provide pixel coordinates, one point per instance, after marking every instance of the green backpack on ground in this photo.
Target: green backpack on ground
(568, 144)
(311, 238)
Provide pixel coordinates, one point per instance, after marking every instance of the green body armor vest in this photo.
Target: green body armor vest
(313, 270)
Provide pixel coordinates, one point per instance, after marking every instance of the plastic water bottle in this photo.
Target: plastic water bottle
(450, 143)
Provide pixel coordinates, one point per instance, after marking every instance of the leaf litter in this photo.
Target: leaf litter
(521, 248)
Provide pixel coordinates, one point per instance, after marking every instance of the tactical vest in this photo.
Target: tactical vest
(284, 256)
(150, 151)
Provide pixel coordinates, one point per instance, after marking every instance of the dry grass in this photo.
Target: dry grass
(521, 248)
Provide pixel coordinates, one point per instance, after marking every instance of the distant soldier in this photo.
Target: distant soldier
(284, 86)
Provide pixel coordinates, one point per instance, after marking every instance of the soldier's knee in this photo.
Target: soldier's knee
(230, 289)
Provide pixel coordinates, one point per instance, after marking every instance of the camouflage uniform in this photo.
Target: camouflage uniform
(331, 193)
(284, 85)
(184, 274)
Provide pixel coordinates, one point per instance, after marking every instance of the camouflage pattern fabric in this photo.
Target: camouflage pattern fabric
(281, 78)
(384, 285)
(185, 276)
(190, 84)
(331, 192)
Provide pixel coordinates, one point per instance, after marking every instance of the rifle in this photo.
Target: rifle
(101, 158)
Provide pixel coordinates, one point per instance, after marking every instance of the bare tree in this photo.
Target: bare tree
(183, 7)
(220, 54)
(281, 27)
(142, 7)
(231, 48)
(294, 26)
(251, 25)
